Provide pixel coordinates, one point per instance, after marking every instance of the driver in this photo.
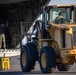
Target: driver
(60, 18)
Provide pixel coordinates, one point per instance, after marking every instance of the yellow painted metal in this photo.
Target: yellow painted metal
(68, 56)
(5, 63)
(62, 5)
(73, 52)
(24, 58)
(51, 30)
(70, 31)
(61, 26)
(43, 60)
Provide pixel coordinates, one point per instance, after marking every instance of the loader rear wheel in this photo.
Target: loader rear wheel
(63, 67)
(26, 64)
(47, 59)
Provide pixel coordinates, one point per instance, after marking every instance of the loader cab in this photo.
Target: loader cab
(60, 35)
(67, 12)
(50, 13)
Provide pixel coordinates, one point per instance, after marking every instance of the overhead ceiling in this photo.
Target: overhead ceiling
(10, 1)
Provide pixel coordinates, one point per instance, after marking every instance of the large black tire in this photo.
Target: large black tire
(63, 67)
(28, 57)
(47, 59)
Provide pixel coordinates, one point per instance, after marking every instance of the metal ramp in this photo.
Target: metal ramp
(5, 55)
(9, 52)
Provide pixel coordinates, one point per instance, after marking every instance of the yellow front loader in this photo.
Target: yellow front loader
(54, 44)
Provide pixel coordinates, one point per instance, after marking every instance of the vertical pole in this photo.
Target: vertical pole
(64, 42)
(49, 15)
(21, 35)
(43, 21)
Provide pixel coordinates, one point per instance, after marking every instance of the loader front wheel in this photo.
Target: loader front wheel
(26, 64)
(47, 59)
(63, 67)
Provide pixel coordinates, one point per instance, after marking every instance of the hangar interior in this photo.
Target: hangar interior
(16, 12)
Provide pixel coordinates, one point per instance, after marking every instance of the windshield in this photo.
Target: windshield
(65, 13)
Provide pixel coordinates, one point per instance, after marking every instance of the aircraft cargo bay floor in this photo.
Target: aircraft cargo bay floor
(16, 70)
